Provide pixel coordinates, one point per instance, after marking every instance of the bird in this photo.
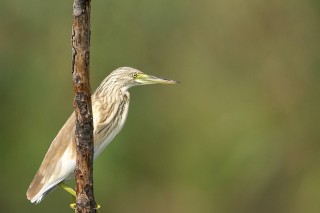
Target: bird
(110, 103)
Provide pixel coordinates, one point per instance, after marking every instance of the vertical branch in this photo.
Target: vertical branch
(82, 105)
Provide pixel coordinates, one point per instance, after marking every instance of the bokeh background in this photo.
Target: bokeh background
(240, 134)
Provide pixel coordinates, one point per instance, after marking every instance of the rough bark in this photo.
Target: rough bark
(82, 105)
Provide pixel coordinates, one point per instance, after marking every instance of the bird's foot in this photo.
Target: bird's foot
(73, 194)
(74, 206)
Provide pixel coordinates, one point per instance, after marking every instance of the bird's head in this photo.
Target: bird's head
(125, 77)
(128, 77)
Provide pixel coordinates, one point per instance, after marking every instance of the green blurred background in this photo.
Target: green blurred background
(240, 134)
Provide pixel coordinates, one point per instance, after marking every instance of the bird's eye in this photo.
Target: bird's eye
(135, 75)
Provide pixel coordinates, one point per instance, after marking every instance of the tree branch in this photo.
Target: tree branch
(82, 105)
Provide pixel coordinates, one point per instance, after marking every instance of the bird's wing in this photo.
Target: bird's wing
(58, 163)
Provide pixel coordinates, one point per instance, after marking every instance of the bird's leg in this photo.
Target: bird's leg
(73, 194)
(70, 191)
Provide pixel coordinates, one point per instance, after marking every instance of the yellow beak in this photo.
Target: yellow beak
(149, 79)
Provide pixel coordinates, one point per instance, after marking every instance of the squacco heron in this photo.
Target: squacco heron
(110, 104)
